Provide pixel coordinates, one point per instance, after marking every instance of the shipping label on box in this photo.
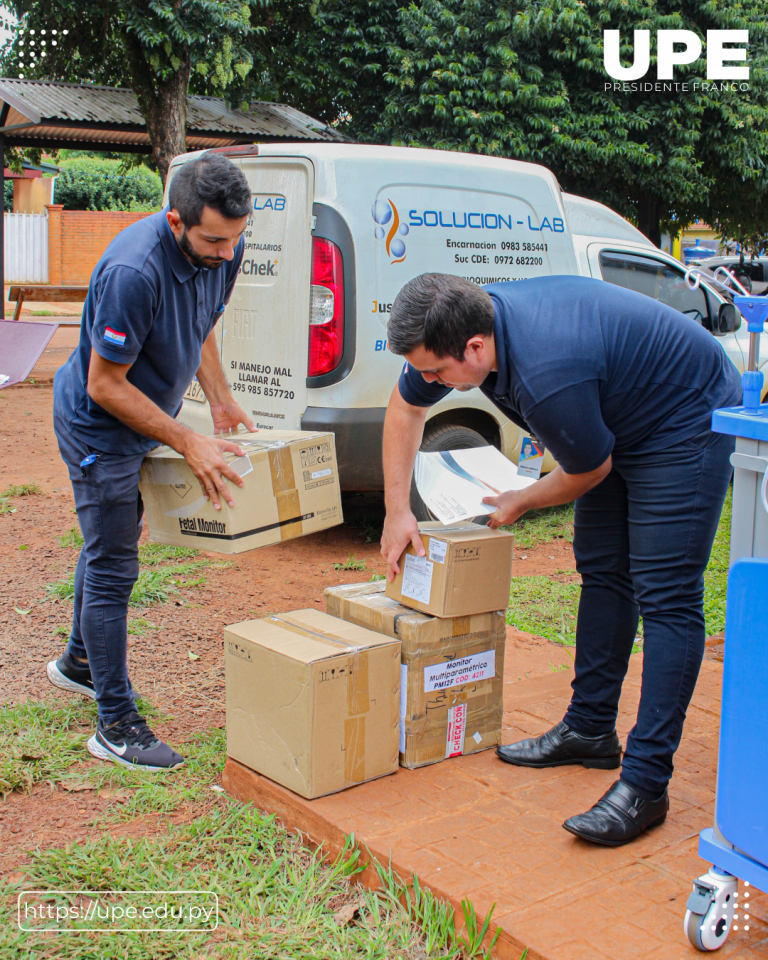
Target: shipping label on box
(313, 702)
(451, 675)
(291, 489)
(466, 570)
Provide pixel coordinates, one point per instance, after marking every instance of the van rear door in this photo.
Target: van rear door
(265, 328)
(263, 335)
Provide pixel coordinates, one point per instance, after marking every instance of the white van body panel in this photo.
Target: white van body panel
(265, 362)
(404, 211)
(430, 186)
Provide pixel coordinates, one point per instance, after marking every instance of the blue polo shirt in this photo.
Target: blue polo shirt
(150, 307)
(594, 369)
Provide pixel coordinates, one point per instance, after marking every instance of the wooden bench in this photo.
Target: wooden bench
(44, 293)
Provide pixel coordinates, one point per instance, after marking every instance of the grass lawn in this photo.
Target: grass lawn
(548, 608)
(276, 898)
(543, 526)
(161, 572)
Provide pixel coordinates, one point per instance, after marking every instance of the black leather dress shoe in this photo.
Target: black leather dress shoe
(560, 746)
(619, 816)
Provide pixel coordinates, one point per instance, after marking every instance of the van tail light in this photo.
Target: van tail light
(326, 308)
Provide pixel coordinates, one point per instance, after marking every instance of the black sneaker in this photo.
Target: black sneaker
(72, 676)
(68, 674)
(131, 743)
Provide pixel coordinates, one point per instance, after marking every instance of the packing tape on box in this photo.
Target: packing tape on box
(284, 489)
(358, 688)
(354, 749)
(358, 696)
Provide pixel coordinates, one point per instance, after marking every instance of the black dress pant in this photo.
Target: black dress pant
(642, 540)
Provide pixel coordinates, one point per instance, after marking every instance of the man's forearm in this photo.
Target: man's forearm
(137, 411)
(561, 487)
(211, 376)
(403, 430)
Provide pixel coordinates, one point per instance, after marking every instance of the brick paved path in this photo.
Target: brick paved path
(475, 827)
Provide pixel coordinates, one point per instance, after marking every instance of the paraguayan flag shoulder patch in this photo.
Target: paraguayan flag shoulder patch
(114, 336)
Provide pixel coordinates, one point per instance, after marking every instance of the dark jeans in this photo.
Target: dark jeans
(642, 539)
(110, 511)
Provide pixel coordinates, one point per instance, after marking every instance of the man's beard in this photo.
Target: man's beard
(210, 263)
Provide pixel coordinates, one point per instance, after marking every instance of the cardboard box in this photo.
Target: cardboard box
(312, 702)
(452, 672)
(291, 489)
(466, 571)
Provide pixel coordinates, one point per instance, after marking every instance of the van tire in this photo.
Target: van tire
(445, 437)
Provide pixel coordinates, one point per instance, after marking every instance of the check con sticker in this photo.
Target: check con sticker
(454, 673)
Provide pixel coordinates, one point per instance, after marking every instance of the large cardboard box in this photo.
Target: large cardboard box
(452, 672)
(291, 489)
(466, 571)
(312, 702)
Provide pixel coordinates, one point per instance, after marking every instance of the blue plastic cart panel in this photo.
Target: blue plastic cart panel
(742, 773)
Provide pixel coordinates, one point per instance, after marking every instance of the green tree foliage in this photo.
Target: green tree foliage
(327, 59)
(90, 183)
(158, 48)
(526, 80)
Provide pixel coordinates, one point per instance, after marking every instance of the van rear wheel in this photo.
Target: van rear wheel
(448, 437)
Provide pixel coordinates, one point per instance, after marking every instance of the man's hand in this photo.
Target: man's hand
(228, 416)
(205, 458)
(400, 529)
(557, 487)
(403, 430)
(510, 506)
(226, 412)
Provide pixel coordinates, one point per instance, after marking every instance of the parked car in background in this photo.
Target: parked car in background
(752, 274)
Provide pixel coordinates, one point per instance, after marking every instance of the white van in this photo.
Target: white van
(336, 231)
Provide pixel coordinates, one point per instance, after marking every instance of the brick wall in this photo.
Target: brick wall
(77, 239)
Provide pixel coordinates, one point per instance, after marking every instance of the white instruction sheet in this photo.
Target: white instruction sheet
(417, 578)
(452, 483)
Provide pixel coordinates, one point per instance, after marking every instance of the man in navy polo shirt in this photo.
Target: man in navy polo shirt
(621, 390)
(147, 329)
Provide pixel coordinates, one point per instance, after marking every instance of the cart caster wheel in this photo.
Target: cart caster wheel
(709, 915)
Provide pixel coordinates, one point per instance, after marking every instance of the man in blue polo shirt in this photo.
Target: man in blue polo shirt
(621, 390)
(147, 330)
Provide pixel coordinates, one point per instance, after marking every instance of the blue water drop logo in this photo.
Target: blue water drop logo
(381, 211)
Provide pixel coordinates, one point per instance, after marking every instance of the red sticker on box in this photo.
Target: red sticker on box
(457, 725)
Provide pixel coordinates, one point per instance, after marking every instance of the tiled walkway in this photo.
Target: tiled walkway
(475, 827)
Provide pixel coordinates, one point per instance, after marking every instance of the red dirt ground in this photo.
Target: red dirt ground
(287, 576)
(283, 577)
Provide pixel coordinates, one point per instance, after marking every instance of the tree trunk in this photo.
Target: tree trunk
(163, 104)
(648, 218)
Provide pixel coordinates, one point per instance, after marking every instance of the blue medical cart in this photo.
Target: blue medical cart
(737, 844)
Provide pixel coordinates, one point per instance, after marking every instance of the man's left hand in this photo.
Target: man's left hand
(510, 507)
(228, 416)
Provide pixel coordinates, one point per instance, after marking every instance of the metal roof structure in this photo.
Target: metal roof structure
(53, 115)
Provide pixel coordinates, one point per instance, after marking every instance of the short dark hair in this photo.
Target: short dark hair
(440, 312)
(209, 181)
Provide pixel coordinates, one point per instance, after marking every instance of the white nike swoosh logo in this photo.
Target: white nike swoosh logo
(118, 750)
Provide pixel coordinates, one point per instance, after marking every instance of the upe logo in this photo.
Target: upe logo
(668, 57)
(382, 213)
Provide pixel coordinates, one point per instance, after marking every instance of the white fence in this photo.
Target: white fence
(26, 247)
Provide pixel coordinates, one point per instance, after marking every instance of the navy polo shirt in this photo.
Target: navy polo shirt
(594, 369)
(150, 307)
